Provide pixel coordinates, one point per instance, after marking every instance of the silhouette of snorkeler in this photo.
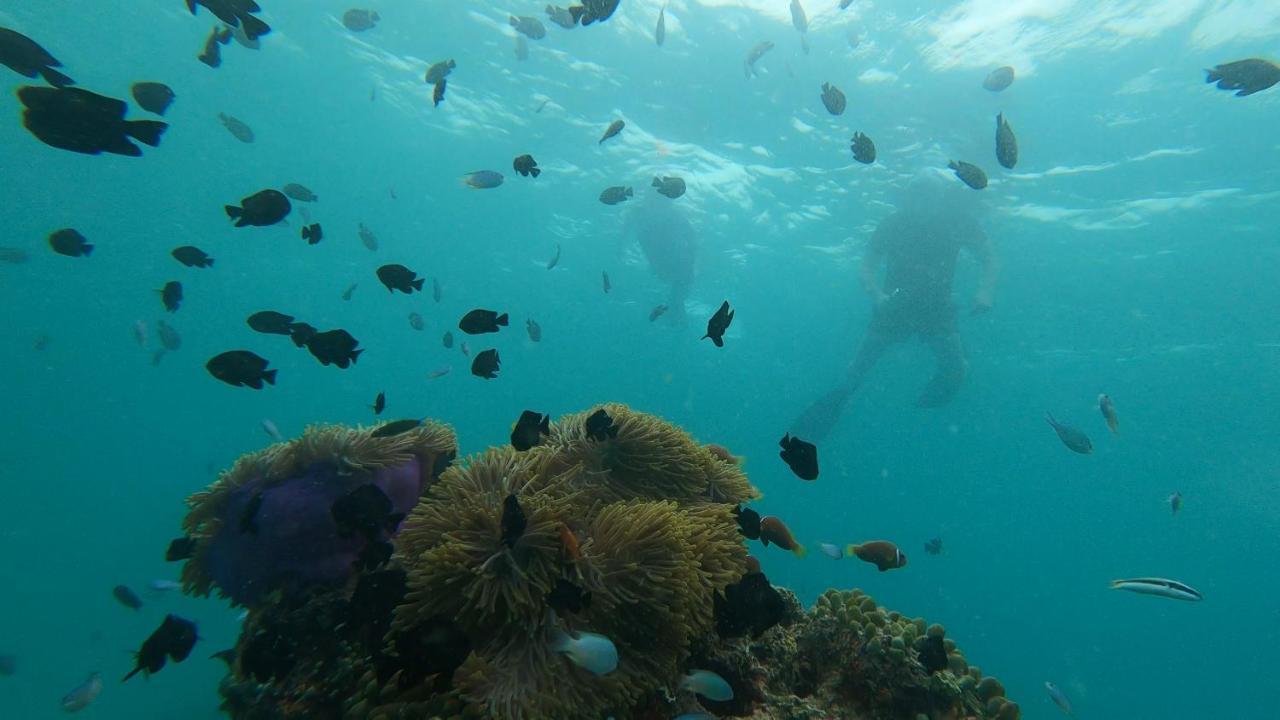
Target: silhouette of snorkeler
(918, 246)
(670, 246)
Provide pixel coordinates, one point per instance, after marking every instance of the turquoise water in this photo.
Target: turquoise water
(1137, 238)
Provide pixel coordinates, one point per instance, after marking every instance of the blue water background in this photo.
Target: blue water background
(1151, 277)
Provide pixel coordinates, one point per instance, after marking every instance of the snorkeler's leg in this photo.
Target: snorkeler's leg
(817, 420)
(948, 351)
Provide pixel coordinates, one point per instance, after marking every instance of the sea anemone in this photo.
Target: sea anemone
(268, 523)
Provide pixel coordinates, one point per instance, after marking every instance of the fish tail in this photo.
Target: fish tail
(207, 263)
(657, 182)
(55, 78)
(417, 284)
(191, 5)
(233, 212)
(502, 319)
(356, 355)
(718, 341)
(270, 377)
(254, 27)
(951, 165)
(88, 250)
(146, 131)
(1212, 76)
(628, 192)
(535, 171)
(851, 550)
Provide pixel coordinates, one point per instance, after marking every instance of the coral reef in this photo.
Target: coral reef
(617, 524)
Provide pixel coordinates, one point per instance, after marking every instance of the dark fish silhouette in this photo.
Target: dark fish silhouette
(313, 233)
(398, 277)
(334, 347)
(70, 242)
(192, 256)
(180, 549)
(1245, 76)
(864, 151)
(480, 321)
(614, 128)
(486, 364)
(604, 276)
(171, 295)
(153, 97)
(1006, 143)
(212, 53)
(800, 456)
(933, 546)
(513, 521)
(599, 426)
(447, 340)
(173, 639)
(379, 403)
(237, 128)
(526, 166)
(530, 27)
(999, 79)
(534, 330)
(365, 512)
(750, 605)
(249, 516)
(657, 312)
(757, 52)
(301, 333)
(360, 20)
(299, 192)
(566, 597)
(271, 322)
(969, 174)
(84, 122)
(440, 71)
(1073, 438)
(748, 522)
(241, 368)
(718, 323)
(529, 430)
(672, 187)
(367, 237)
(25, 56)
(933, 654)
(261, 209)
(833, 99)
(590, 11)
(660, 32)
(416, 322)
(1108, 409)
(437, 92)
(615, 195)
(395, 427)
(554, 260)
(126, 597)
(236, 13)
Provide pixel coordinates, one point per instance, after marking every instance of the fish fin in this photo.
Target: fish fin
(657, 182)
(146, 131)
(270, 377)
(191, 5)
(535, 171)
(1212, 76)
(88, 250)
(233, 212)
(502, 319)
(55, 78)
(800, 551)
(356, 355)
(132, 672)
(122, 146)
(254, 27)
(718, 341)
(417, 284)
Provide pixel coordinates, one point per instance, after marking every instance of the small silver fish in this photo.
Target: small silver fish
(1057, 697)
(1175, 502)
(552, 262)
(164, 585)
(82, 696)
(835, 552)
(272, 431)
(438, 372)
(1163, 587)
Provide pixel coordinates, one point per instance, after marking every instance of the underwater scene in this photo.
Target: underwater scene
(634, 359)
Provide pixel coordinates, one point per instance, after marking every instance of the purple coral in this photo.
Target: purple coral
(282, 534)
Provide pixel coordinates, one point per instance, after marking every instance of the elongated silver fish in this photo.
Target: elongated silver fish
(82, 696)
(1158, 586)
(1058, 698)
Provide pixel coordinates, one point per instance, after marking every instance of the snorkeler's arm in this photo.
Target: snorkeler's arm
(985, 253)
